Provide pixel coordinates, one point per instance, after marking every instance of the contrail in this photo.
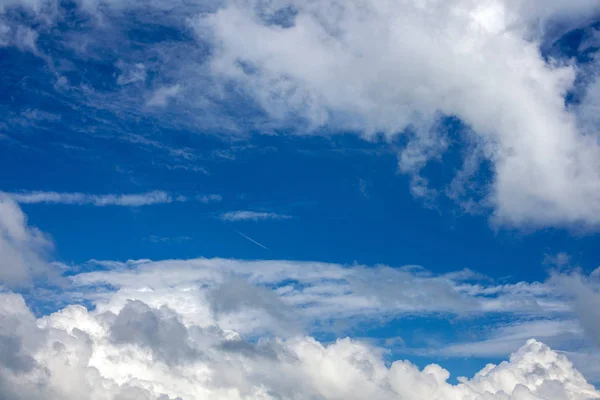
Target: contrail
(252, 240)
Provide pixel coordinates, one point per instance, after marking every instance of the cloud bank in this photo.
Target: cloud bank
(142, 352)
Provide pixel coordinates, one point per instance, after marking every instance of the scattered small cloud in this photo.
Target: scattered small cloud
(558, 260)
(103, 200)
(244, 215)
(162, 95)
(126, 200)
(362, 186)
(165, 239)
(209, 198)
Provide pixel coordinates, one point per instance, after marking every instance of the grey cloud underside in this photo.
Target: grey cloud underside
(159, 330)
(239, 66)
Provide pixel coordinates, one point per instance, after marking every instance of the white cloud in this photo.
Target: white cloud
(245, 215)
(126, 200)
(24, 249)
(507, 339)
(321, 294)
(334, 298)
(138, 351)
(376, 66)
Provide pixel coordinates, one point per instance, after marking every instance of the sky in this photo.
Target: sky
(318, 199)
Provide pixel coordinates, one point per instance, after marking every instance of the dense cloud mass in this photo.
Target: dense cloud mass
(371, 67)
(142, 352)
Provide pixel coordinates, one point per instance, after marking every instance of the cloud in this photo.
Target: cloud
(163, 94)
(584, 295)
(338, 299)
(164, 239)
(24, 250)
(322, 295)
(477, 62)
(159, 329)
(508, 338)
(233, 216)
(126, 200)
(209, 198)
(145, 352)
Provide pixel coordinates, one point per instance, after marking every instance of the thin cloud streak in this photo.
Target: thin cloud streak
(124, 200)
(245, 215)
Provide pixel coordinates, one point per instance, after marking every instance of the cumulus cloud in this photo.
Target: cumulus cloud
(144, 352)
(24, 249)
(246, 215)
(126, 200)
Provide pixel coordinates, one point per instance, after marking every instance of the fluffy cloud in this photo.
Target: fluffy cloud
(144, 352)
(391, 66)
(23, 249)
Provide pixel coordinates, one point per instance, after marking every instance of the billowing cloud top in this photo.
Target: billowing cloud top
(143, 352)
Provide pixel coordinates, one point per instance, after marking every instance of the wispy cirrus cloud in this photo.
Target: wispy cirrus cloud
(103, 200)
(166, 239)
(209, 198)
(245, 215)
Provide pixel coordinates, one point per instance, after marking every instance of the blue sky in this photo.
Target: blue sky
(439, 162)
